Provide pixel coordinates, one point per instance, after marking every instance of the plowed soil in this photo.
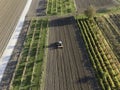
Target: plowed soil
(68, 68)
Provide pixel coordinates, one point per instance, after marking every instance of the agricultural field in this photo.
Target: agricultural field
(103, 59)
(10, 11)
(68, 68)
(60, 7)
(29, 68)
(111, 30)
(89, 59)
(100, 5)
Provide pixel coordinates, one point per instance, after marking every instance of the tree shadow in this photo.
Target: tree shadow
(61, 20)
(85, 79)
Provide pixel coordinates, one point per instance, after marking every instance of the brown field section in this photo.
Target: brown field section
(68, 68)
(82, 5)
(10, 11)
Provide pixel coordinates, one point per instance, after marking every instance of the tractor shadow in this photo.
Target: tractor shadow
(52, 46)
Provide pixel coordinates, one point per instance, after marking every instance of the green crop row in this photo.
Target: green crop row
(59, 7)
(28, 72)
(102, 58)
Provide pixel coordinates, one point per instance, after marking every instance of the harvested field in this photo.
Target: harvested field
(99, 4)
(10, 12)
(68, 68)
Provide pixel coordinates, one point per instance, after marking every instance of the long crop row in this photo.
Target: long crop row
(60, 7)
(110, 27)
(28, 72)
(104, 61)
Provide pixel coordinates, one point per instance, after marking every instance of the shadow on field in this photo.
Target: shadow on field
(41, 9)
(61, 21)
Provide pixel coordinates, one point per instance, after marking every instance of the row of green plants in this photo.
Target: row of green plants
(59, 7)
(104, 61)
(29, 69)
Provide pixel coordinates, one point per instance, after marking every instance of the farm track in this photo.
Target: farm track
(82, 5)
(68, 68)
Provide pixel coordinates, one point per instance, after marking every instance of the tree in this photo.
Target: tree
(90, 12)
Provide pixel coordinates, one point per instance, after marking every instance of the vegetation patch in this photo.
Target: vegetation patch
(104, 61)
(111, 30)
(29, 69)
(59, 7)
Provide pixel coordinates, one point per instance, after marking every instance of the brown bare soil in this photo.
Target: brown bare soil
(68, 68)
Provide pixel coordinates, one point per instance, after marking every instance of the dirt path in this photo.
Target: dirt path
(68, 68)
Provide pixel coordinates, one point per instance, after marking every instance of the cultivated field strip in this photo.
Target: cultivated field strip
(29, 69)
(104, 61)
(60, 7)
(111, 25)
(67, 68)
(99, 4)
(10, 12)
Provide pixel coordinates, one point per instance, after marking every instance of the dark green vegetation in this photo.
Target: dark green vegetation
(60, 7)
(29, 69)
(104, 61)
